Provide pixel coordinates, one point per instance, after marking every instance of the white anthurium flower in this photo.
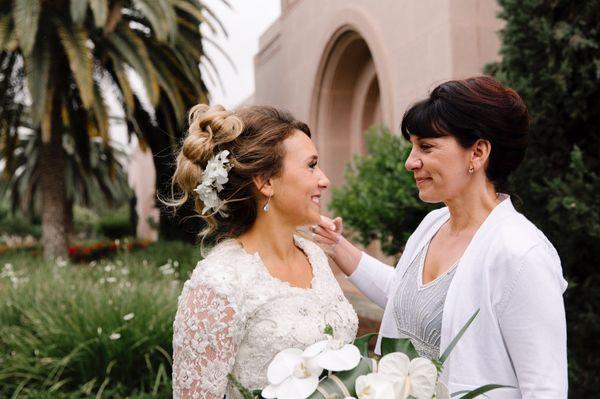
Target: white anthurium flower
(415, 377)
(333, 354)
(374, 386)
(291, 376)
(441, 391)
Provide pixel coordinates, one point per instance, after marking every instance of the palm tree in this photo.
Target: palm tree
(66, 52)
(106, 181)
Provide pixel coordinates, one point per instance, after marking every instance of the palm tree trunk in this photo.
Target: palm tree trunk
(54, 204)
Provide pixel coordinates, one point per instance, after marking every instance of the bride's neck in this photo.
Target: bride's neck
(270, 237)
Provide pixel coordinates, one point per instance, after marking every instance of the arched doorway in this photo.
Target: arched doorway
(347, 101)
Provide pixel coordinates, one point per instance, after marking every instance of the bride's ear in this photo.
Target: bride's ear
(263, 185)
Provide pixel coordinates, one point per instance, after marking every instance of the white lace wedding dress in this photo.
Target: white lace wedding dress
(233, 317)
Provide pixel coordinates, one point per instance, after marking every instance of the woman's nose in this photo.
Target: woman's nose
(323, 180)
(412, 162)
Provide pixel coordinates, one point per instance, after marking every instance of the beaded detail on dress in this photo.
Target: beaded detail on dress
(418, 308)
(233, 317)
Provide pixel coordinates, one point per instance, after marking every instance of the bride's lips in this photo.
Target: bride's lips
(316, 199)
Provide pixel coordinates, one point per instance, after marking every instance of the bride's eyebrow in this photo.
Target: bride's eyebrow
(312, 158)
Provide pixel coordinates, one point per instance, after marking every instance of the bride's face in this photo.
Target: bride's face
(297, 190)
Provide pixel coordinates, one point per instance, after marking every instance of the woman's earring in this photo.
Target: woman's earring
(267, 207)
(471, 169)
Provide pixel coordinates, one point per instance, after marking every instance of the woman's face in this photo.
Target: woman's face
(440, 166)
(297, 190)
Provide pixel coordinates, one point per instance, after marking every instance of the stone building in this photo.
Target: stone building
(343, 65)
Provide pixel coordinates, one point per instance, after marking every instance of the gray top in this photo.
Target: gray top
(418, 307)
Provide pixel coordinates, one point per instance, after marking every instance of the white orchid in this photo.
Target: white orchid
(415, 377)
(333, 354)
(214, 176)
(291, 376)
(209, 197)
(441, 391)
(374, 386)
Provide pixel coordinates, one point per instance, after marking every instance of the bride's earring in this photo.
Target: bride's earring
(471, 169)
(267, 207)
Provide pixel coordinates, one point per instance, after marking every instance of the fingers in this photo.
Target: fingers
(339, 225)
(327, 223)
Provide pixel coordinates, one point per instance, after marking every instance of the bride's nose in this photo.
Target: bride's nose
(323, 180)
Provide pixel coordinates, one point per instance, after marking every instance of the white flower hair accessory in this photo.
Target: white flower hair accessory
(214, 176)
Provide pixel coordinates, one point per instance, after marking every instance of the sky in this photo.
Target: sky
(245, 21)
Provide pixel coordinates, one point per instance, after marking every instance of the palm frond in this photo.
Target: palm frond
(6, 31)
(162, 18)
(78, 10)
(37, 67)
(100, 11)
(26, 14)
(130, 49)
(100, 113)
(74, 41)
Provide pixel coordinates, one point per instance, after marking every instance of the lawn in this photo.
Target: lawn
(101, 329)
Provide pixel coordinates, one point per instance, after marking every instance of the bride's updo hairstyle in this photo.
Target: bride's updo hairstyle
(254, 138)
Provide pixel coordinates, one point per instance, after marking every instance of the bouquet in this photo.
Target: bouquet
(331, 369)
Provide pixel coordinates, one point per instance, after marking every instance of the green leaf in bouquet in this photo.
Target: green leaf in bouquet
(245, 392)
(479, 391)
(342, 384)
(391, 345)
(362, 343)
(457, 338)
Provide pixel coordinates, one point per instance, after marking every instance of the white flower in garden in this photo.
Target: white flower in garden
(291, 376)
(333, 354)
(441, 391)
(415, 377)
(374, 386)
(128, 316)
(114, 336)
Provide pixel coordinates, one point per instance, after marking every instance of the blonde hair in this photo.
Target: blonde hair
(253, 136)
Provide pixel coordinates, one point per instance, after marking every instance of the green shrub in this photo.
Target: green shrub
(551, 56)
(380, 200)
(117, 224)
(64, 329)
(84, 221)
(17, 224)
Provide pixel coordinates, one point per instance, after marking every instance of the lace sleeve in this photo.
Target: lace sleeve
(207, 330)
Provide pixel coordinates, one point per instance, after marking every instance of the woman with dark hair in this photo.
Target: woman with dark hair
(476, 253)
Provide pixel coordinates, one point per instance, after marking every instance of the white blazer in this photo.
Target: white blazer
(513, 275)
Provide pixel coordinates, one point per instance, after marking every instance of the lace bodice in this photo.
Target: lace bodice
(233, 317)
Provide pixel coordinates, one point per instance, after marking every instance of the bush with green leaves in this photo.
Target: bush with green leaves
(116, 224)
(102, 329)
(379, 200)
(551, 56)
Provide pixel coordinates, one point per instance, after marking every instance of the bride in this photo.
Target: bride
(263, 288)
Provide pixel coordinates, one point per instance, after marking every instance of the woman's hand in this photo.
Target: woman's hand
(328, 234)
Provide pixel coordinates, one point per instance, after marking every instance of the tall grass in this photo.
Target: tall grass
(99, 330)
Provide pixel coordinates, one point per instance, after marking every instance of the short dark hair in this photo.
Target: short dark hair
(472, 109)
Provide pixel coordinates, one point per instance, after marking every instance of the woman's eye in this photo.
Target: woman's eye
(312, 165)
(425, 147)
